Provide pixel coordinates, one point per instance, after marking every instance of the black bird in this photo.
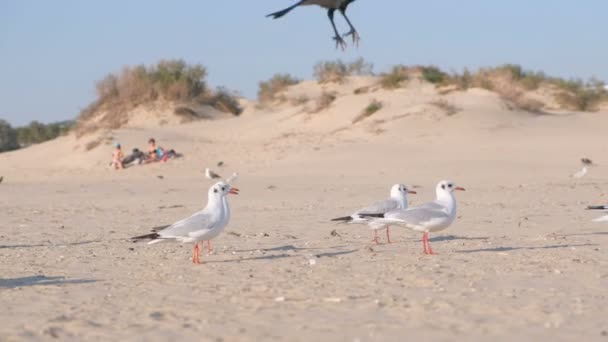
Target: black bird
(332, 6)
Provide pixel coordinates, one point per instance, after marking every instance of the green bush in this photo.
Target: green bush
(433, 74)
(8, 137)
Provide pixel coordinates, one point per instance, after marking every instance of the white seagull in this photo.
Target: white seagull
(603, 208)
(397, 200)
(210, 174)
(203, 225)
(429, 217)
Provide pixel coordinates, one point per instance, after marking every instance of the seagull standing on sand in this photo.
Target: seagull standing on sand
(332, 6)
(429, 217)
(202, 226)
(397, 200)
(603, 208)
(210, 174)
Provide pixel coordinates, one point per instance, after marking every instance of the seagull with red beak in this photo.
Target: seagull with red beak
(429, 217)
(397, 200)
(201, 226)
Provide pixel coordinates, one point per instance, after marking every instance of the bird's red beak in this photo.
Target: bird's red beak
(234, 191)
(459, 188)
(411, 192)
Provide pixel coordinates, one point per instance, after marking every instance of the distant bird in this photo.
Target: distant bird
(220, 164)
(397, 200)
(211, 175)
(586, 163)
(332, 6)
(429, 217)
(202, 226)
(581, 173)
(600, 208)
(1, 179)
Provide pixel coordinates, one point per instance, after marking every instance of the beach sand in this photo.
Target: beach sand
(522, 261)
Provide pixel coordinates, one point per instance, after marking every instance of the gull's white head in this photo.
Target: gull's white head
(400, 191)
(446, 187)
(221, 189)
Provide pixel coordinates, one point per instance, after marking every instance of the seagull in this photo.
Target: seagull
(429, 217)
(581, 173)
(601, 208)
(201, 226)
(397, 200)
(210, 174)
(586, 163)
(332, 6)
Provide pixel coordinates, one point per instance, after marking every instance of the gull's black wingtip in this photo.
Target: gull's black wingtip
(372, 215)
(151, 236)
(343, 219)
(597, 207)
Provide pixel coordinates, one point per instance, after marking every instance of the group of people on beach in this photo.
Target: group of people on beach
(153, 154)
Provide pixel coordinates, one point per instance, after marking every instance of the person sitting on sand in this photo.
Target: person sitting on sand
(155, 153)
(117, 157)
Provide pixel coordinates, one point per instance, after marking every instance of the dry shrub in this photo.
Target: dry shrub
(394, 78)
(170, 80)
(337, 71)
(449, 108)
(93, 143)
(361, 90)
(268, 90)
(330, 71)
(324, 101)
(300, 100)
(516, 100)
(225, 100)
(360, 67)
(373, 106)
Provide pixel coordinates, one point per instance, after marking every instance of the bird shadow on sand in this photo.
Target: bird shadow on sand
(508, 249)
(285, 248)
(283, 256)
(40, 280)
(583, 234)
(454, 237)
(49, 244)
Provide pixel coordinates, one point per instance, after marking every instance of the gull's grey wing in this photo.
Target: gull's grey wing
(431, 206)
(184, 228)
(379, 207)
(417, 215)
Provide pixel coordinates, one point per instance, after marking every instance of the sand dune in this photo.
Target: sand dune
(523, 261)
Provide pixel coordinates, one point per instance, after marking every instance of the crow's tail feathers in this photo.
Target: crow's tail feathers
(277, 15)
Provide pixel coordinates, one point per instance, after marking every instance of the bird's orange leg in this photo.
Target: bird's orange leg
(388, 237)
(375, 239)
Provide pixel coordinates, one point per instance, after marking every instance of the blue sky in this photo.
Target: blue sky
(52, 52)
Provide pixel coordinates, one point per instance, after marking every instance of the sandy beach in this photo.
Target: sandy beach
(522, 261)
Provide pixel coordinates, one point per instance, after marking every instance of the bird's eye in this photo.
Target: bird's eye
(450, 185)
(223, 188)
(215, 190)
(443, 186)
